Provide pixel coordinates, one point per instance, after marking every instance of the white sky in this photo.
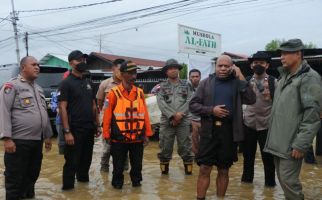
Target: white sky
(245, 27)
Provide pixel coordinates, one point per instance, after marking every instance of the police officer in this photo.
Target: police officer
(80, 121)
(173, 101)
(256, 119)
(23, 127)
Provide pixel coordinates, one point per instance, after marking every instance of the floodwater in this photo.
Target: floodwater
(155, 186)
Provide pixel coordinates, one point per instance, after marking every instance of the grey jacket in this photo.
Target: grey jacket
(23, 111)
(295, 116)
(202, 104)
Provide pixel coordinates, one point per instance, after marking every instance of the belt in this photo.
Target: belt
(218, 123)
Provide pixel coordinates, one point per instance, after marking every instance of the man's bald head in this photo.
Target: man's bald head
(224, 65)
(29, 68)
(225, 58)
(27, 59)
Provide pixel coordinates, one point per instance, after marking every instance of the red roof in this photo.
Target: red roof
(138, 61)
(235, 55)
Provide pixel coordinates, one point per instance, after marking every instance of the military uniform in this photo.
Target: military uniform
(24, 119)
(173, 98)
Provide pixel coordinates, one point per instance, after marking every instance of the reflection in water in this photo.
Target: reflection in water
(154, 186)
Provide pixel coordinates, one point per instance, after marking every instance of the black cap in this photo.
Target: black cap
(171, 63)
(292, 45)
(128, 66)
(260, 55)
(76, 55)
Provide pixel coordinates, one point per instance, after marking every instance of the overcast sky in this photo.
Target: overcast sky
(245, 26)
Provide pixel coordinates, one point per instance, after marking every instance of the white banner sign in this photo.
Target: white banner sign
(196, 41)
(205, 67)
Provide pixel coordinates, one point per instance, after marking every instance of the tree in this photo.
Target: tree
(184, 71)
(310, 46)
(276, 43)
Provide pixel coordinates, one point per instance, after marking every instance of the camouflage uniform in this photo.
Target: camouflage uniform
(173, 98)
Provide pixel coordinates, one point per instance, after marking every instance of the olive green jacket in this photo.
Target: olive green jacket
(295, 116)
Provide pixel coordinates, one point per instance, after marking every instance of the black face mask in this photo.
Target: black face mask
(259, 69)
(81, 67)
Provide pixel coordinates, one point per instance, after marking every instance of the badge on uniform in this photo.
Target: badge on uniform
(7, 88)
(26, 101)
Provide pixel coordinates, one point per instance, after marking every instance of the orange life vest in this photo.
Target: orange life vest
(128, 117)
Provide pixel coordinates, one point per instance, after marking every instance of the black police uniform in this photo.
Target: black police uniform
(78, 157)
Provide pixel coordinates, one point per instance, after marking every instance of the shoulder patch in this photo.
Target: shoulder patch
(7, 88)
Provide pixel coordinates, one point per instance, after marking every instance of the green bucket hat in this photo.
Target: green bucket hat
(292, 45)
(171, 63)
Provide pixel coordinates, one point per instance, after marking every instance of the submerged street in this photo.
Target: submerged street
(154, 186)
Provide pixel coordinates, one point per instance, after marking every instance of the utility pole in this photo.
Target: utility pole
(100, 43)
(14, 19)
(26, 43)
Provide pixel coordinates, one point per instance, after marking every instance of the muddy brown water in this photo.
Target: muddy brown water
(156, 187)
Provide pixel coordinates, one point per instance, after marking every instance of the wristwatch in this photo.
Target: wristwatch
(66, 130)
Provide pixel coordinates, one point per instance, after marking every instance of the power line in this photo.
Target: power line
(99, 22)
(68, 7)
(8, 38)
(233, 11)
(102, 20)
(5, 19)
(179, 10)
(223, 3)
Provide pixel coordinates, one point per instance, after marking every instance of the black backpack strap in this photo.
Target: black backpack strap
(271, 86)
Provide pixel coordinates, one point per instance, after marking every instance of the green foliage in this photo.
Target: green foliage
(184, 71)
(275, 44)
(310, 46)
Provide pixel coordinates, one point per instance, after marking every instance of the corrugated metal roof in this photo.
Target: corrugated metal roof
(50, 55)
(138, 61)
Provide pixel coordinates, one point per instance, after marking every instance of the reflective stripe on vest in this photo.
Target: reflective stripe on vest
(129, 117)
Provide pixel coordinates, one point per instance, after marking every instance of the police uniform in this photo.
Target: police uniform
(24, 119)
(173, 98)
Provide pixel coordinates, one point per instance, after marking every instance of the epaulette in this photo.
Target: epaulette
(13, 79)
